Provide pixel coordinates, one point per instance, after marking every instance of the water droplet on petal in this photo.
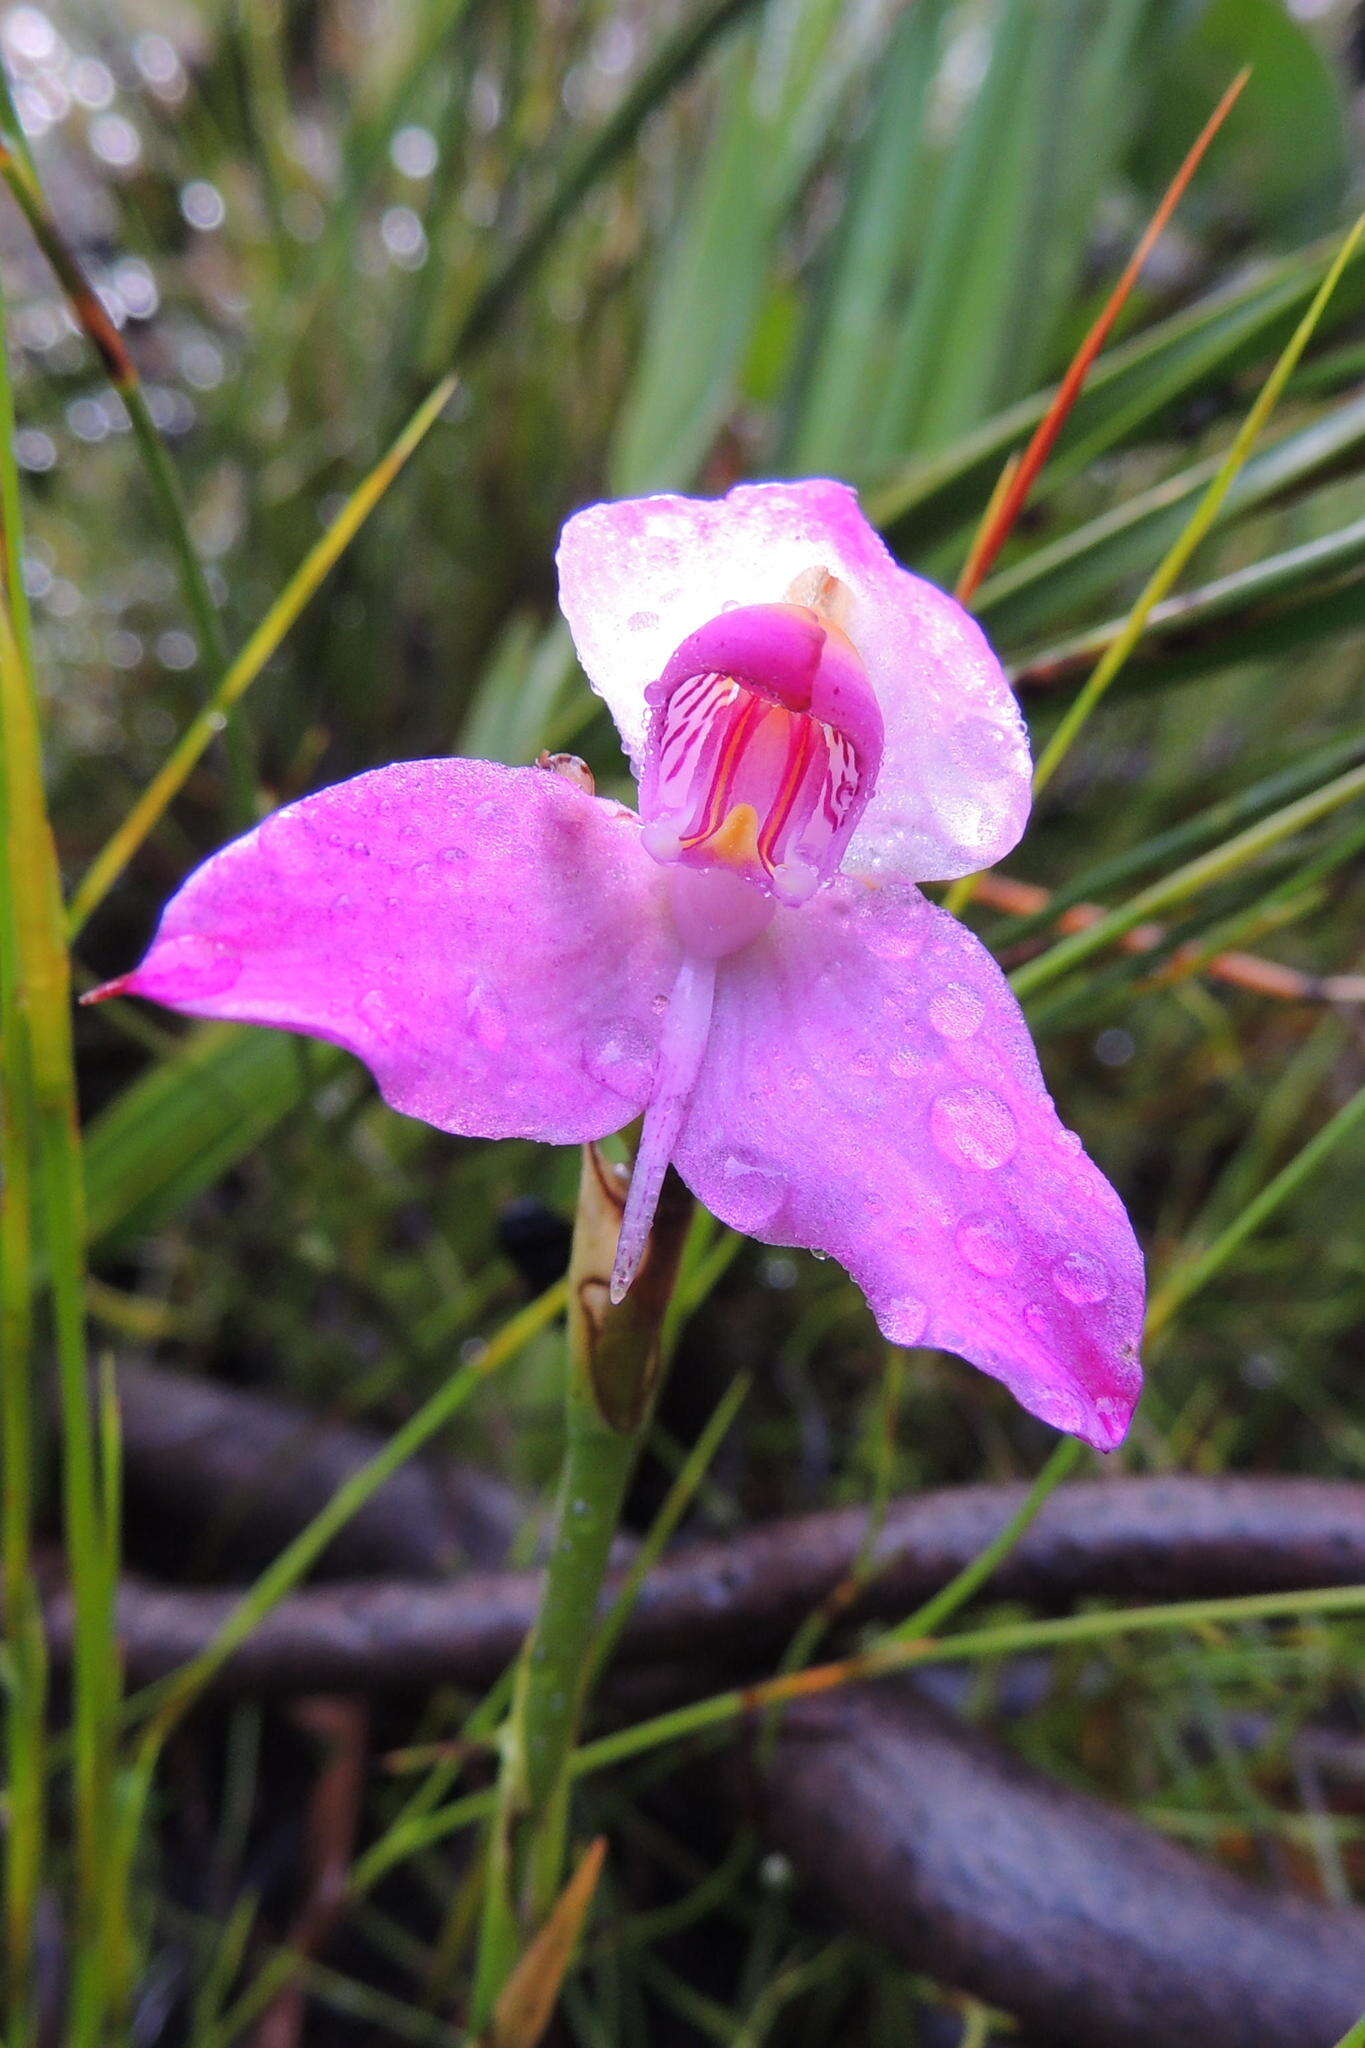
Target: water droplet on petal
(905, 1319)
(981, 743)
(192, 967)
(454, 853)
(1038, 1318)
(956, 1011)
(622, 1059)
(375, 1009)
(487, 1017)
(1081, 1278)
(747, 1190)
(816, 1253)
(343, 904)
(1062, 1411)
(973, 1125)
(1069, 1141)
(987, 1244)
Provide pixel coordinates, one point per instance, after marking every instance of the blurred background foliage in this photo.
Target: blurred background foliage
(669, 246)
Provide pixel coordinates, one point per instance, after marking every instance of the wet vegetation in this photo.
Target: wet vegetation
(321, 318)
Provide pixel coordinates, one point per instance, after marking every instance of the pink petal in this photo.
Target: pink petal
(870, 1090)
(636, 577)
(492, 942)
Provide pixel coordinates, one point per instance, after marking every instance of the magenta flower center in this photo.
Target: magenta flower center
(763, 749)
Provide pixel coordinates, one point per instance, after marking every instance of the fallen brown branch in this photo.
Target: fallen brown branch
(1153, 1539)
(228, 1474)
(1085, 1924)
(1243, 970)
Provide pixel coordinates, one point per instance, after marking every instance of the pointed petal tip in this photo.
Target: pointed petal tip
(122, 985)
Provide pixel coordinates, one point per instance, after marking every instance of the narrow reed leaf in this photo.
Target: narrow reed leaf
(890, 1653)
(1087, 560)
(168, 1701)
(1001, 517)
(1188, 881)
(1200, 347)
(238, 677)
(1191, 1274)
(1305, 594)
(1198, 527)
(676, 1503)
(25, 1715)
(92, 316)
(1179, 840)
(36, 958)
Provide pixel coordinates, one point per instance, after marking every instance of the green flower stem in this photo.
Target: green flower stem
(615, 1360)
(552, 1678)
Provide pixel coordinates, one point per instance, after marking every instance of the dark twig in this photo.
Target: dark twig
(204, 1464)
(1082, 1922)
(1153, 1539)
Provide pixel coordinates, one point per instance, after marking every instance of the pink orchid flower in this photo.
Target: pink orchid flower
(827, 1058)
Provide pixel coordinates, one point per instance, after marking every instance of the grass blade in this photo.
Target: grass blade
(36, 957)
(110, 862)
(1188, 881)
(1002, 517)
(1206, 513)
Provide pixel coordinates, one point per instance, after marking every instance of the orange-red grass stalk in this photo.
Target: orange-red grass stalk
(1011, 493)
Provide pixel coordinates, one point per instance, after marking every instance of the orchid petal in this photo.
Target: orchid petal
(639, 576)
(492, 942)
(870, 1090)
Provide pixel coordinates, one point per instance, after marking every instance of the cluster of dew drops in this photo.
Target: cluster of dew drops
(104, 121)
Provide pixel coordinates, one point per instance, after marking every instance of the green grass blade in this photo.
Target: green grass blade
(845, 344)
(1128, 391)
(1188, 881)
(1272, 607)
(1060, 578)
(239, 675)
(41, 970)
(1197, 528)
(964, 241)
(25, 1729)
(1191, 1274)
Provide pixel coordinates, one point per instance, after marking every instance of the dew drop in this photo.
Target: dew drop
(1062, 1411)
(1038, 1319)
(816, 1253)
(453, 853)
(343, 904)
(190, 968)
(1069, 1141)
(987, 1245)
(981, 743)
(1081, 1278)
(748, 1190)
(971, 1124)
(905, 1319)
(956, 1011)
(622, 1059)
(487, 1017)
(374, 1008)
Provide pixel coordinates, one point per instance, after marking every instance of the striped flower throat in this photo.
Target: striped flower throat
(763, 750)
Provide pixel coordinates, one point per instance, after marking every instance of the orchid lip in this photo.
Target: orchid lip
(763, 749)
